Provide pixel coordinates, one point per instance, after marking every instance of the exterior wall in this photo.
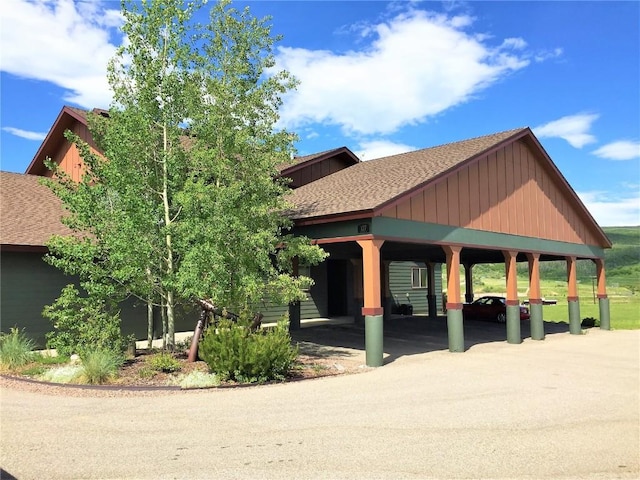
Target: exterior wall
(317, 170)
(400, 286)
(29, 284)
(67, 154)
(315, 306)
(509, 191)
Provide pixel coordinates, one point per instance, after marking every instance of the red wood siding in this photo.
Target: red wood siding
(508, 191)
(67, 155)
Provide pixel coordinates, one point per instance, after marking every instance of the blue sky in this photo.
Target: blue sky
(383, 78)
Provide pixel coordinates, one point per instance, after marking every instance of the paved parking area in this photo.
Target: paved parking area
(410, 335)
(565, 407)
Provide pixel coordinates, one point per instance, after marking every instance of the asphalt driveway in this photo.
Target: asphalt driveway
(565, 407)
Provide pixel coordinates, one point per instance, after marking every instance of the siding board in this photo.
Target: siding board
(464, 196)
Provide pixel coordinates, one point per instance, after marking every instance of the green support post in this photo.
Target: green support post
(455, 330)
(574, 317)
(536, 321)
(294, 316)
(513, 324)
(373, 339)
(605, 322)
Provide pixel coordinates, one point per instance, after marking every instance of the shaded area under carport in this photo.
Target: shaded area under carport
(410, 335)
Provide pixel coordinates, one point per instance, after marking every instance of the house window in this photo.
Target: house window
(304, 271)
(418, 277)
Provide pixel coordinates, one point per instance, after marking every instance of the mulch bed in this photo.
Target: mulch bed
(135, 375)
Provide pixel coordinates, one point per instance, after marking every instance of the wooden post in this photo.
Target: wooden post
(431, 290)
(572, 297)
(372, 309)
(455, 321)
(468, 282)
(294, 307)
(536, 320)
(513, 303)
(603, 299)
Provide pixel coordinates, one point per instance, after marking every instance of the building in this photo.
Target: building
(498, 198)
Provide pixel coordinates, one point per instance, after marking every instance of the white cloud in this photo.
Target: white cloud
(18, 132)
(620, 150)
(544, 55)
(381, 148)
(613, 210)
(61, 42)
(572, 128)
(417, 65)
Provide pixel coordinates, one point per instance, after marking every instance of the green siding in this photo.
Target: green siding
(402, 292)
(29, 284)
(314, 306)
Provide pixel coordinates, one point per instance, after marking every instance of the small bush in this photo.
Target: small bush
(163, 362)
(64, 374)
(234, 352)
(197, 379)
(82, 325)
(147, 372)
(16, 349)
(100, 366)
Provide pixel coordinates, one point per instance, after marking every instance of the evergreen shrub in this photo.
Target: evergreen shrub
(233, 352)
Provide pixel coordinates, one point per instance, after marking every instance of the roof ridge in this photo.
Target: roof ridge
(455, 142)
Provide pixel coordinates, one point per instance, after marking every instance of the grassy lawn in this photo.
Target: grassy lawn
(624, 306)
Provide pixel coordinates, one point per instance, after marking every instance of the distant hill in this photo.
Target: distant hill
(622, 262)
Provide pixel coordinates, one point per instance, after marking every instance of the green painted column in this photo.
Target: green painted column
(455, 330)
(536, 321)
(513, 324)
(373, 339)
(574, 317)
(605, 322)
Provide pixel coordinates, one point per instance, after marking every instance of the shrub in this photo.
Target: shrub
(100, 366)
(163, 362)
(234, 352)
(82, 325)
(16, 349)
(64, 374)
(197, 379)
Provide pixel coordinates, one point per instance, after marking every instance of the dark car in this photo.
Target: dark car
(491, 308)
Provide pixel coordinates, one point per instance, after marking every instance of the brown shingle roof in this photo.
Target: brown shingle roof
(368, 185)
(29, 212)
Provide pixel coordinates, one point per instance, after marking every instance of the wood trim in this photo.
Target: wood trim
(24, 248)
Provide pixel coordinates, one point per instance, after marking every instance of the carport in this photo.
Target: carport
(492, 199)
